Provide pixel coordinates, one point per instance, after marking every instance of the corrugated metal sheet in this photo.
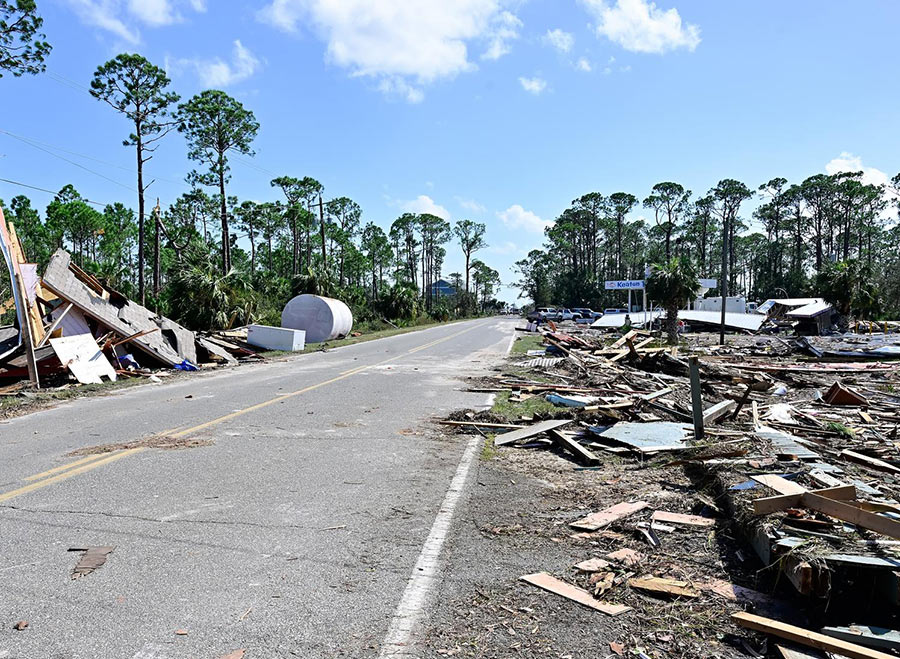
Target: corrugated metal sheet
(810, 310)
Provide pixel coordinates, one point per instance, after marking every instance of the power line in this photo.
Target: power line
(55, 194)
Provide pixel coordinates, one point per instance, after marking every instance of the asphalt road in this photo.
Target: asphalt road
(293, 533)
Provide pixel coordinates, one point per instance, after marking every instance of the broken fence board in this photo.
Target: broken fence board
(806, 637)
(530, 431)
(558, 587)
(666, 517)
(596, 521)
(847, 513)
(663, 586)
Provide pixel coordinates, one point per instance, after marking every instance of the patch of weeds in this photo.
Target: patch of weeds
(512, 410)
(840, 429)
(527, 342)
(488, 450)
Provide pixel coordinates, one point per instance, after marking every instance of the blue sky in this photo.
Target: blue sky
(502, 112)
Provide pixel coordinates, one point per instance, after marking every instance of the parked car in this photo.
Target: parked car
(588, 314)
(542, 314)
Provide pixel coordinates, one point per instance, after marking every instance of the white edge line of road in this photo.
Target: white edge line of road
(424, 575)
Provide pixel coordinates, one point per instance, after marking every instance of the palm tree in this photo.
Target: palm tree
(674, 284)
(848, 286)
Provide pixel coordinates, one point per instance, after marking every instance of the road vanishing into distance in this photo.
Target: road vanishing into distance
(307, 520)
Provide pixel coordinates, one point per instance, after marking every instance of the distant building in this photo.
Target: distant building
(442, 288)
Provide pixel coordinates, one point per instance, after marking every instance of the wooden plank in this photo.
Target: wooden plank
(664, 586)
(55, 324)
(779, 484)
(843, 511)
(806, 637)
(530, 431)
(865, 416)
(718, 411)
(598, 520)
(583, 454)
(628, 335)
(557, 587)
(696, 398)
(755, 407)
(868, 461)
(666, 517)
(656, 394)
(768, 505)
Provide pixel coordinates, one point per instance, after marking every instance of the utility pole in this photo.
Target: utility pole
(156, 255)
(723, 282)
(322, 228)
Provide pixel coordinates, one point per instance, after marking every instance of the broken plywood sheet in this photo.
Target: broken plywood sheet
(666, 517)
(81, 355)
(662, 586)
(646, 437)
(120, 315)
(563, 589)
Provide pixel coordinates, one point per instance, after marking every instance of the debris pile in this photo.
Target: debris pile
(69, 320)
(792, 453)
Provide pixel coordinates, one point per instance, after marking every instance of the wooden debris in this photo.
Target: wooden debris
(806, 637)
(598, 520)
(582, 453)
(94, 558)
(592, 565)
(666, 517)
(20, 625)
(718, 411)
(868, 461)
(625, 556)
(529, 431)
(663, 586)
(583, 597)
(769, 505)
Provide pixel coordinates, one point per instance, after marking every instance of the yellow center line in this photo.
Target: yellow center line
(50, 472)
(31, 487)
(92, 462)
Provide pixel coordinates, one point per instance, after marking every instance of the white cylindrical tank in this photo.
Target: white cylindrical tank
(322, 318)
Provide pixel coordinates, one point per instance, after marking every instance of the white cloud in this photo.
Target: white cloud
(533, 85)
(505, 29)
(562, 41)
(640, 26)
(425, 204)
(470, 205)
(516, 217)
(505, 249)
(847, 162)
(216, 72)
(119, 16)
(583, 65)
(400, 45)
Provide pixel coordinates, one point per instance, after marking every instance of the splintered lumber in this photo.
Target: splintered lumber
(598, 520)
(93, 558)
(583, 454)
(665, 517)
(768, 505)
(592, 565)
(718, 411)
(530, 431)
(803, 653)
(563, 589)
(806, 637)
(868, 461)
(664, 586)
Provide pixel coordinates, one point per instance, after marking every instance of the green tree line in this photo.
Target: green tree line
(811, 232)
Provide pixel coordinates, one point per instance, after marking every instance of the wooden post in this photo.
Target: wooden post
(696, 399)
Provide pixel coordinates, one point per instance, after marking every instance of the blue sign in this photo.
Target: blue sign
(625, 285)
